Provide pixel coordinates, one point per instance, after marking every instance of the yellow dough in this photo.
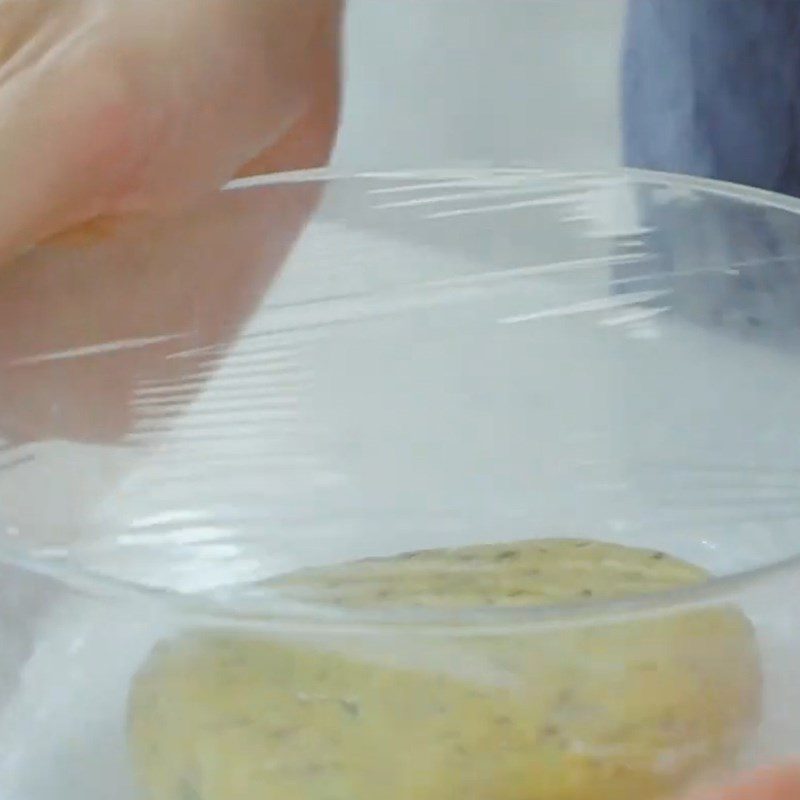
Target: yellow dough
(615, 710)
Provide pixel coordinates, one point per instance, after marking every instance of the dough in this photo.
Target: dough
(603, 710)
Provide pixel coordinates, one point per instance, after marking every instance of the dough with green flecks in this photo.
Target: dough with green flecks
(615, 710)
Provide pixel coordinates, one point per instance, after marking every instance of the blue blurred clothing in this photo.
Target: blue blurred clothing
(711, 88)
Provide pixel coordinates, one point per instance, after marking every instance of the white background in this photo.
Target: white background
(431, 82)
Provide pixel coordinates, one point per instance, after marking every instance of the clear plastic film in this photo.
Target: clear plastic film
(222, 430)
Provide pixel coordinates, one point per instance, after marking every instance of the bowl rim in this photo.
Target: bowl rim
(208, 609)
(486, 170)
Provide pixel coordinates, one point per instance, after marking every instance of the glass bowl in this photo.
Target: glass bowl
(311, 370)
(476, 482)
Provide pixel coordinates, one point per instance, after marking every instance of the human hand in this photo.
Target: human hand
(111, 108)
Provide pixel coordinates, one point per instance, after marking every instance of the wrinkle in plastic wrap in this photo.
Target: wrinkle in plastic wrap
(443, 358)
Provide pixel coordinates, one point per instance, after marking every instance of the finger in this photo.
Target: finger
(309, 141)
(773, 783)
(251, 80)
(89, 131)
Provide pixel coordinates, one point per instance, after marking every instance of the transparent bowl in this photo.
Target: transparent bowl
(311, 370)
